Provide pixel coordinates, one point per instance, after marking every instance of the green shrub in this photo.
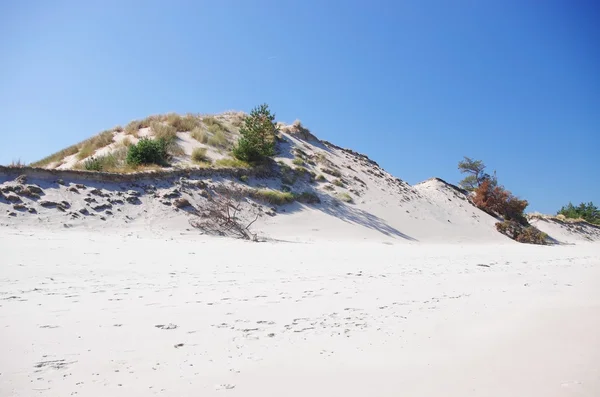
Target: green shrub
(231, 163)
(147, 151)
(257, 140)
(345, 197)
(199, 155)
(272, 196)
(108, 162)
(332, 172)
(320, 178)
(244, 178)
(92, 164)
(308, 198)
(199, 134)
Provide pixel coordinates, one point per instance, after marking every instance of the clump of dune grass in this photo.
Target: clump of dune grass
(307, 198)
(272, 196)
(199, 134)
(182, 123)
(345, 197)
(219, 140)
(298, 161)
(199, 155)
(332, 172)
(231, 163)
(338, 182)
(134, 126)
(168, 134)
(320, 178)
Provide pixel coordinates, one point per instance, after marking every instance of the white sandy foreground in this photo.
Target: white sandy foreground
(91, 314)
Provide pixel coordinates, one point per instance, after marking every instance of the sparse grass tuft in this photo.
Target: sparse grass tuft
(321, 178)
(16, 164)
(272, 196)
(231, 163)
(345, 197)
(199, 134)
(199, 155)
(338, 182)
(56, 157)
(332, 172)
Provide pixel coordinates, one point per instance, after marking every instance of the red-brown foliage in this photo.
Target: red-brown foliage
(497, 200)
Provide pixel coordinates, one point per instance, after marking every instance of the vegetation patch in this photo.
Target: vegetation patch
(338, 182)
(218, 140)
(147, 151)
(308, 198)
(272, 196)
(345, 197)
(231, 163)
(56, 157)
(521, 233)
(332, 172)
(200, 135)
(183, 123)
(199, 155)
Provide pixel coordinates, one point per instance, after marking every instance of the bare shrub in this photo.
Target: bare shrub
(221, 217)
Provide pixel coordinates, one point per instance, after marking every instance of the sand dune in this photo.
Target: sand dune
(370, 287)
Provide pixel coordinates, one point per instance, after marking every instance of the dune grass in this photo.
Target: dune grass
(199, 134)
(182, 123)
(219, 140)
(231, 163)
(345, 197)
(272, 196)
(199, 155)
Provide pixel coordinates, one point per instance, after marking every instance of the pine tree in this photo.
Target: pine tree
(257, 141)
(475, 169)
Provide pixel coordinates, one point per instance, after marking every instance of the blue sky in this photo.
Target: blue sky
(413, 84)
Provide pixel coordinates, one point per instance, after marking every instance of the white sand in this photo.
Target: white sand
(79, 310)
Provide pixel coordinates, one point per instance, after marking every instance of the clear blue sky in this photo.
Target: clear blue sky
(413, 84)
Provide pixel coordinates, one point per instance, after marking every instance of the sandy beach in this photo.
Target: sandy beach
(133, 314)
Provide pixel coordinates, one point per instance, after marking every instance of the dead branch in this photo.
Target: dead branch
(221, 217)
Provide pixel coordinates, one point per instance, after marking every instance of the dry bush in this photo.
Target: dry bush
(221, 217)
(522, 234)
(497, 200)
